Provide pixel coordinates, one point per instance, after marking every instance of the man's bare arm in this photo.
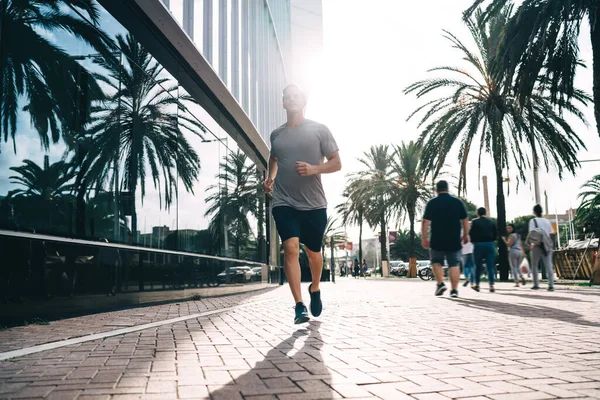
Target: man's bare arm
(425, 234)
(273, 166)
(465, 223)
(271, 174)
(333, 164)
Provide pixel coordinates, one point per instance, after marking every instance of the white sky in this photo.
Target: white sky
(371, 53)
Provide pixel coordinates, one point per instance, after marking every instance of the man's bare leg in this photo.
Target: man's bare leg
(315, 260)
(438, 272)
(291, 264)
(454, 273)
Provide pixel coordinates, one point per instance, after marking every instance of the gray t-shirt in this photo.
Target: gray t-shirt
(309, 142)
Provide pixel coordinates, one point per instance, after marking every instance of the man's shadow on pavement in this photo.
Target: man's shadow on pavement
(281, 373)
(527, 311)
(504, 292)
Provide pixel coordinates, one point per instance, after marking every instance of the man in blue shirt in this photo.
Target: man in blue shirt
(445, 214)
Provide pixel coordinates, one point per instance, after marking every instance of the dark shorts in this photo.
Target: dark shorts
(308, 226)
(454, 258)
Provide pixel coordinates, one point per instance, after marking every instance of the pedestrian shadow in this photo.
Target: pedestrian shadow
(542, 297)
(285, 370)
(527, 311)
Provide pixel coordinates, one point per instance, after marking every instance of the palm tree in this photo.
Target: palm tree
(352, 211)
(332, 230)
(44, 196)
(55, 89)
(48, 183)
(232, 201)
(412, 192)
(588, 215)
(589, 209)
(484, 107)
(541, 38)
(373, 187)
(142, 125)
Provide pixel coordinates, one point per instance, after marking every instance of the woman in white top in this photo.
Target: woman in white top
(516, 254)
(539, 253)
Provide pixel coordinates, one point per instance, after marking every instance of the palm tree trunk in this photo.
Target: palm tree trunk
(360, 230)
(536, 161)
(594, 16)
(501, 223)
(412, 259)
(383, 240)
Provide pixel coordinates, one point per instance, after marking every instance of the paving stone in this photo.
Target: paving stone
(397, 341)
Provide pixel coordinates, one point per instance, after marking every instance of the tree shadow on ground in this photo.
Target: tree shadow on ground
(285, 369)
(543, 297)
(526, 311)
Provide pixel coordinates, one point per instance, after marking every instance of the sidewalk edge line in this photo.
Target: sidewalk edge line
(102, 335)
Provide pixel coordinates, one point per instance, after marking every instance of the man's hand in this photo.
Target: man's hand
(268, 185)
(465, 238)
(305, 169)
(425, 243)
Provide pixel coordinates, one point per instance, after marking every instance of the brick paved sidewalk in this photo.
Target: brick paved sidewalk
(31, 335)
(376, 339)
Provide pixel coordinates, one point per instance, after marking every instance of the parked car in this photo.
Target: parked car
(238, 274)
(257, 273)
(398, 268)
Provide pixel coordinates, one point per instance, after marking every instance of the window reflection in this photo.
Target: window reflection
(103, 144)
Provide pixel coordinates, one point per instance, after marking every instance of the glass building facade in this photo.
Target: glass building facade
(133, 144)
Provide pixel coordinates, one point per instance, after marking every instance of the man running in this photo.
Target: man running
(298, 149)
(445, 214)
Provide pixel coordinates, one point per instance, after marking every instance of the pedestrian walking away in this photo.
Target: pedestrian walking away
(445, 214)
(364, 269)
(356, 269)
(516, 254)
(542, 247)
(301, 150)
(483, 234)
(468, 264)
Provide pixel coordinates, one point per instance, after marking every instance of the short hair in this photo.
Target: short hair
(441, 186)
(537, 210)
(512, 226)
(293, 85)
(481, 211)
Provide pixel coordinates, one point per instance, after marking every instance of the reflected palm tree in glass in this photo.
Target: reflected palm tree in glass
(40, 77)
(141, 127)
(234, 201)
(44, 189)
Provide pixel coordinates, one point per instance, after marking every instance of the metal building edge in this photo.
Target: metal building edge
(154, 26)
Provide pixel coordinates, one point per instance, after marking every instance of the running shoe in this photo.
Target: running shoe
(466, 283)
(454, 293)
(492, 290)
(551, 289)
(475, 288)
(301, 314)
(316, 306)
(441, 288)
(535, 288)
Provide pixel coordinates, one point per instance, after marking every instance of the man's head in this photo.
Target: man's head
(294, 98)
(481, 212)
(538, 211)
(441, 187)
